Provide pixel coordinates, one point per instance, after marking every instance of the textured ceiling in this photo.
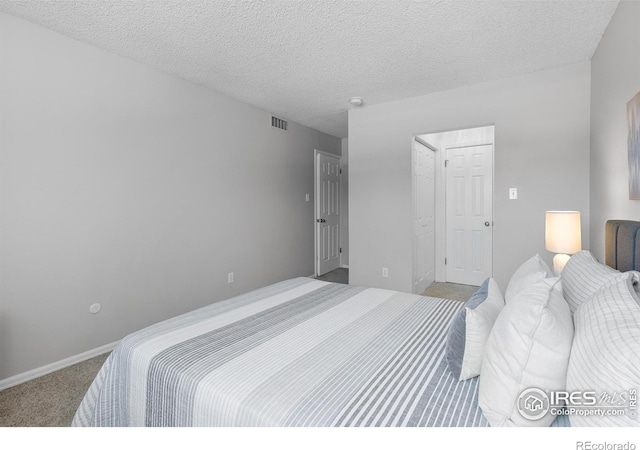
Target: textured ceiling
(303, 60)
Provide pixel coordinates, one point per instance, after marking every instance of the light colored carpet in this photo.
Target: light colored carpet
(51, 400)
(452, 291)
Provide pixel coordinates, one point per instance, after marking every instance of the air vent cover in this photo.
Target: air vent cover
(277, 122)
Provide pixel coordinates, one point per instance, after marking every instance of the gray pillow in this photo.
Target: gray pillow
(457, 335)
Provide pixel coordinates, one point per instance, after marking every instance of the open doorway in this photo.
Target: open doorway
(457, 205)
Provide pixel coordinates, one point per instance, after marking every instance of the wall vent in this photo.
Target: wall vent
(277, 122)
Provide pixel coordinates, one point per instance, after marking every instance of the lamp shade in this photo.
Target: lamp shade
(562, 232)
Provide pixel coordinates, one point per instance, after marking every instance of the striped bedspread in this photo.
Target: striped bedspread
(302, 352)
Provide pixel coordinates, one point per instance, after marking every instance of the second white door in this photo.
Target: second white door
(469, 214)
(327, 213)
(424, 188)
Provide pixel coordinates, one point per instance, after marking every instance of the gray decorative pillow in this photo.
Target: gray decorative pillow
(470, 329)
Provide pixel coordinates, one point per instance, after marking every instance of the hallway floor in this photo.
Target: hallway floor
(453, 291)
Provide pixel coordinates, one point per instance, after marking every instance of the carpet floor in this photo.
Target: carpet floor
(52, 400)
(452, 291)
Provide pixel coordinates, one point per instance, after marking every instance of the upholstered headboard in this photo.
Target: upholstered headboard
(622, 244)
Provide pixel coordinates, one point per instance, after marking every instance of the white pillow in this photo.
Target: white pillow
(583, 276)
(605, 356)
(528, 347)
(480, 321)
(531, 271)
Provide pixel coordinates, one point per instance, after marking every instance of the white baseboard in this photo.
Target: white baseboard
(44, 370)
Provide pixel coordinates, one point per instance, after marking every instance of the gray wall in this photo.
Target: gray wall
(134, 189)
(615, 79)
(541, 147)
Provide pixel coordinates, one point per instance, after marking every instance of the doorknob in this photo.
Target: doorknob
(320, 220)
(486, 224)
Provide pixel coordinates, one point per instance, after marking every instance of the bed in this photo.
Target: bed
(299, 353)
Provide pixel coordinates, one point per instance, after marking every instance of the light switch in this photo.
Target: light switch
(513, 193)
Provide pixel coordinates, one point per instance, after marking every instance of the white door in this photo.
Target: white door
(469, 195)
(327, 213)
(424, 194)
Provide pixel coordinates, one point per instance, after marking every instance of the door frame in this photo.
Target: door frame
(316, 206)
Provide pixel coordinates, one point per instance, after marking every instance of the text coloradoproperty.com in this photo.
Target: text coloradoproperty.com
(571, 411)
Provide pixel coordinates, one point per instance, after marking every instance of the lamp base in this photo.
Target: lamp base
(559, 262)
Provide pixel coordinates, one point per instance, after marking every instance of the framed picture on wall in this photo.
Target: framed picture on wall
(633, 117)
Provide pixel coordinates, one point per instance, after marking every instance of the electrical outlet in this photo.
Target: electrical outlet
(306, 198)
(230, 277)
(385, 272)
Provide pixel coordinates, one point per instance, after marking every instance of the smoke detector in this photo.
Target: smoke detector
(356, 101)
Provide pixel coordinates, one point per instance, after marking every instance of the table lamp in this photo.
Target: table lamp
(562, 236)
